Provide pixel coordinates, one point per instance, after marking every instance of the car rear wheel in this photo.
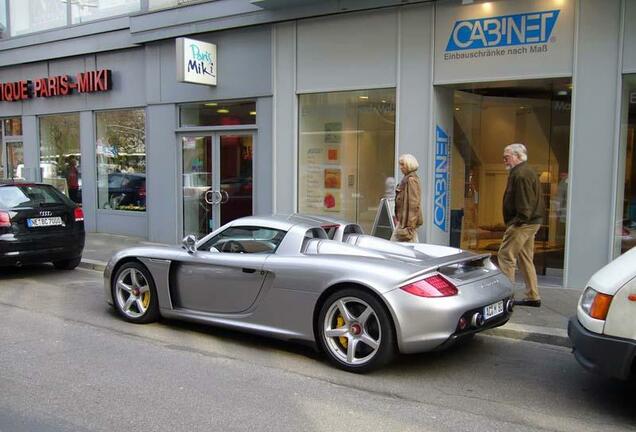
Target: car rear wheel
(135, 294)
(68, 264)
(355, 331)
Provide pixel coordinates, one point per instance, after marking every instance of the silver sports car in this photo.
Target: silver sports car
(314, 279)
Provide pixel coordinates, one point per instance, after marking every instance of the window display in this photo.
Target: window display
(346, 153)
(487, 118)
(60, 157)
(625, 227)
(121, 160)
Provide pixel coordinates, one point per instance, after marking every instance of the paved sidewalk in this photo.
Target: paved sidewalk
(547, 324)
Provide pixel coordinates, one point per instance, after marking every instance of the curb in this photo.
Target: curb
(543, 335)
(90, 264)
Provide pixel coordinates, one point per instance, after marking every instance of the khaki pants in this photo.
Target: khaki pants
(415, 238)
(518, 243)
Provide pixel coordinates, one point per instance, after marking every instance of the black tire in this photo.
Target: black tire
(68, 264)
(141, 310)
(377, 327)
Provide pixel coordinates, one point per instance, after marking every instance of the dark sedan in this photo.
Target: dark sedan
(39, 224)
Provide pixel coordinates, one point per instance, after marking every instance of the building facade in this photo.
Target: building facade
(306, 105)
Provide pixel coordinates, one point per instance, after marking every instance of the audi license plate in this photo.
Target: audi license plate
(493, 310)
(44, 222)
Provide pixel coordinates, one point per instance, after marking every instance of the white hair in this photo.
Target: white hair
(410, 162)
(518, 150)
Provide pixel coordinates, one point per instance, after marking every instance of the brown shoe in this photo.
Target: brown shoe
(528, 302)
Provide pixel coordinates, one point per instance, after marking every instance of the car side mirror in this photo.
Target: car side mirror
(189, 243)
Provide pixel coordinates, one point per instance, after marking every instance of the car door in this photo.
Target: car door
(224, 280)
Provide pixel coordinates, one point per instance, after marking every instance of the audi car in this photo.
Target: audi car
(39, 224)
(305, 278)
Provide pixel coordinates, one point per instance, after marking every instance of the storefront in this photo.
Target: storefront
(312, 105)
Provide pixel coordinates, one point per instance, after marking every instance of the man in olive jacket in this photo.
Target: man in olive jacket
(523, 214)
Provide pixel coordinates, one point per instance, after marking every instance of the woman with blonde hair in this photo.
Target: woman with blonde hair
(408, 194)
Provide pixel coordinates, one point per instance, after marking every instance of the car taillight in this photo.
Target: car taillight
(595, 304)
(431, 286)
(142, 191)
(78, 213)
(5, 220)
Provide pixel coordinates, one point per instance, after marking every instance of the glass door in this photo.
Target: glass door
(217, 174)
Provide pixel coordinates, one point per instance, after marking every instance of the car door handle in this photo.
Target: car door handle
(248, 270)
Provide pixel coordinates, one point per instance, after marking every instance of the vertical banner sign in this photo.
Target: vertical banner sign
(440, 196)
(196, 62)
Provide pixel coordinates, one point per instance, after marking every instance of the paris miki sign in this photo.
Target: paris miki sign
(59, 85)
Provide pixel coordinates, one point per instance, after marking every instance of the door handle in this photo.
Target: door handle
(213, 197)
(225, 197)
(248, 270)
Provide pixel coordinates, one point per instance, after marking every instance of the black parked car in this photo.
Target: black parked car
(38, 224)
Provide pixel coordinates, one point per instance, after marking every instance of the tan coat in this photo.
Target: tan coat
(408, 211)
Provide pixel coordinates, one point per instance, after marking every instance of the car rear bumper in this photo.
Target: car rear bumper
(427, 324)
(605, 355)
(36, 249)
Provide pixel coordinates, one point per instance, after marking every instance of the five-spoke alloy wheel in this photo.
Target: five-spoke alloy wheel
(134, 294)
(355, 331)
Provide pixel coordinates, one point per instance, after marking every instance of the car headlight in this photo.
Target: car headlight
(595, 304)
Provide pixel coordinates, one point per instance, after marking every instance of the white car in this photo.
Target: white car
(603, 332)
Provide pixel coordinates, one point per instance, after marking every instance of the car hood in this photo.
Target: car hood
(616, 274)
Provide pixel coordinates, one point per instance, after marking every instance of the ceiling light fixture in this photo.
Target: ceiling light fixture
(562, 93)
(252, 113)
(364, 97)
(223, 110)
(211, 104)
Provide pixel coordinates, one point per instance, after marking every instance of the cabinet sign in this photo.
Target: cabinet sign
(59, 85)
(196, 62)
(440, 196)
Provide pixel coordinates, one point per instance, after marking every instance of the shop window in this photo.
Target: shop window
(346, 153)
(217, 114)
(60, 157)
(488, 117)
(28, 16)
(625, 227)
(83, 11)
(121, 160)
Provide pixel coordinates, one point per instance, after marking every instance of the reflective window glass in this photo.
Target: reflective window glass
(163, 4)
(60, 158)
(13, 127)
(625, 227)
(28, 16)
(218, 114)
(89, 10)
(3, 17)
(121, 160)
(346, 153)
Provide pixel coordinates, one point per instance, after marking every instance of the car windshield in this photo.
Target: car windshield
(246, 239)
(15, 196)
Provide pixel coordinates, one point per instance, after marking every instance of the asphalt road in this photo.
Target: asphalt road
(67, 363)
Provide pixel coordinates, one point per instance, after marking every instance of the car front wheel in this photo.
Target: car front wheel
(135, 294)
(355, 331)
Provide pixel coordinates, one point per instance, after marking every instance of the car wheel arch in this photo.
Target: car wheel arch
(120, 263)
(342, 285)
